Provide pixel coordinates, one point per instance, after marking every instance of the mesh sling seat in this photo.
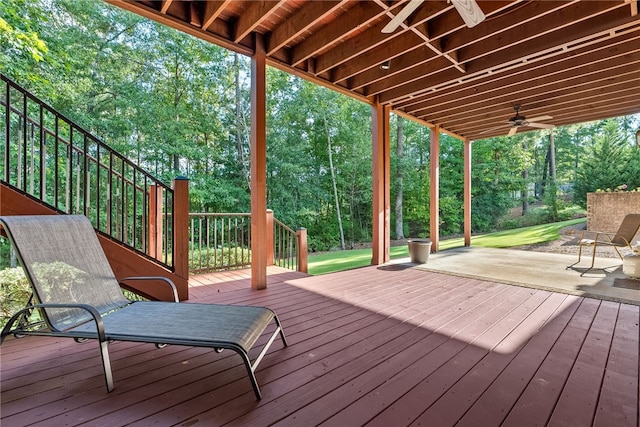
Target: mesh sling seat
(621, 238)
(78, 296)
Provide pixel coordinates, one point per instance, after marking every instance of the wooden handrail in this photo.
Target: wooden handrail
(222, 241)
(53, 159)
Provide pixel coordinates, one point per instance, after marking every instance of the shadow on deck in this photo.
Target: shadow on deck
(390, 345)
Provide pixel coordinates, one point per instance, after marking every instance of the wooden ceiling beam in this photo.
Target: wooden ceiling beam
(596, 54)
(251, 18)
(550, 45)
(220, 36)
(416, 73)
(212, 9)
(583, 18)
(548, 55)
(301, 21)
(521, 15)
(521, 88)
(403, 45)
(547, 105)
(558, 110)
(582, 113)
(418, 57)
(165, 6)
(326, 37)
(369, 39)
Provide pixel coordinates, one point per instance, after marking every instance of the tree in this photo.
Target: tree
(611, 161)
(399, 153)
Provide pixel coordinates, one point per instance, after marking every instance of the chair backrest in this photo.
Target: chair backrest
(628, 229)
(64, 263)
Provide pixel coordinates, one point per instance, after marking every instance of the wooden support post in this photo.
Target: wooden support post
(381, 233)
(181, 234)
(259, 166)
(156, 215)
(303, 264)
(434, 189)
(270, 238)
(467, 192)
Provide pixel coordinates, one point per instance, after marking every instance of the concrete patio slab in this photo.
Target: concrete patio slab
(540, 270)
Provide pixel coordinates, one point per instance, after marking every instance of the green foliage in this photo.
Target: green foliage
(15, 292)
(217, 258)
(177, 105)
(611, 160)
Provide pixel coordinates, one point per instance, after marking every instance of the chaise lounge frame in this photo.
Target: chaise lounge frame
(620, 239)
(78, 296)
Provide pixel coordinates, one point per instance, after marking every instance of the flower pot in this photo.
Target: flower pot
(419, 250)
(631, 266)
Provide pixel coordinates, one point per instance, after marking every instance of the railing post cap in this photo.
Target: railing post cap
(181, 178)
(301, 228)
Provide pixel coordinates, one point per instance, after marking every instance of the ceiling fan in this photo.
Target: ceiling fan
(468, 10)
(518, 121)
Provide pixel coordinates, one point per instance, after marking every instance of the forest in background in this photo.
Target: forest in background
(179, 106)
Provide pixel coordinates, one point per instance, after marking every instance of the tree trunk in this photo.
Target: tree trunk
(525, 190)
(552, 156)
(335, 185)
(399, 153)
(239, 120)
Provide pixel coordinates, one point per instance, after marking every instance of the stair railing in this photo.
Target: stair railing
(54, 160)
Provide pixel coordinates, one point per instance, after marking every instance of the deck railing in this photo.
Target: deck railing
(55, 161)
(52, 159)
(222, 241)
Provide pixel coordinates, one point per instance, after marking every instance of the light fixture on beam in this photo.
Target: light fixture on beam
(386, 65)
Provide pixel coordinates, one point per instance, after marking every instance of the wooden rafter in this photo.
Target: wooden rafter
(462, 79)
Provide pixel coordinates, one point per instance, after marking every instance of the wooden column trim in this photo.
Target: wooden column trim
(259, 166)
(181, 229)
(301, 236)
(434, 189)
(156, 216)
(381, 172)
(270, 238)
(467, 192)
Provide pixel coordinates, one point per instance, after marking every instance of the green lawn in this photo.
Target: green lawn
(328, 262)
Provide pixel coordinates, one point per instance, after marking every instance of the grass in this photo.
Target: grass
(329, 262)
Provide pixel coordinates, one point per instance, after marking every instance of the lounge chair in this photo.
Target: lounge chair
(78, 296)
(621, 238)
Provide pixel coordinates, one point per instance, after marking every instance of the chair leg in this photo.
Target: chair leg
(593, 255)
(106, 364)
(579, 258)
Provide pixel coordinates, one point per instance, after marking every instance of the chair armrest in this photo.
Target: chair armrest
(596, 236)
(166, 280)
(97, 318)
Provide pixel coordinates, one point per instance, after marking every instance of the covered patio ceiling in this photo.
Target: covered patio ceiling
(575, 61)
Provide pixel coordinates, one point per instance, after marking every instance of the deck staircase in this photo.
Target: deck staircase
(51, 165)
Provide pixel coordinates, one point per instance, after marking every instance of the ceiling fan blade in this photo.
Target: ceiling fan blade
(470, 12)
(400, 17)
(540, 125)
(491, 129)
(513, 131)
(539, 119)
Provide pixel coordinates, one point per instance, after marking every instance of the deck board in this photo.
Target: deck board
(383, 345)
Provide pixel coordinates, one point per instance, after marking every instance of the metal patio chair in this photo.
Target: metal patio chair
(620, 239)
(77, 296)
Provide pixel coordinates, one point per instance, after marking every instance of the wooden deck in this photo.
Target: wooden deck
(379, 346)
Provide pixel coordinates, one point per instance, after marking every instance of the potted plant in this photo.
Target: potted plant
(419, 250)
